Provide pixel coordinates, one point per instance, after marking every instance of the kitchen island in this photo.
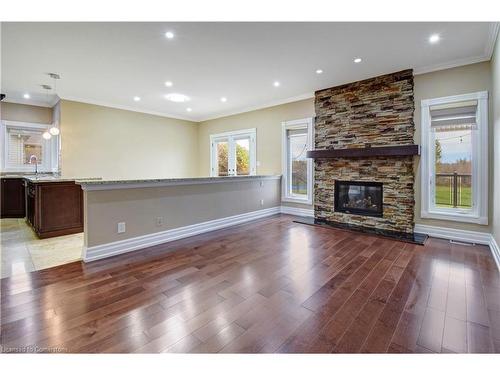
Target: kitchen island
(54, 205)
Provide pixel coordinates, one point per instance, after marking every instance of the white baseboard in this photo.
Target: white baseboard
(136, 243)
(495, 250)
(462, 236)
(297, 211)
(454, 234)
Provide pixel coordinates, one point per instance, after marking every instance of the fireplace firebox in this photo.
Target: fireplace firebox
(359, 198)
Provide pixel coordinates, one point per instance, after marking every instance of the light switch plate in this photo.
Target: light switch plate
(121, 227)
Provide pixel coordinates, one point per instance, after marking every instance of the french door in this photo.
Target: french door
(233, 153)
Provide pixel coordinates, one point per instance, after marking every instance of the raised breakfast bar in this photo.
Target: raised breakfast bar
(128, 215)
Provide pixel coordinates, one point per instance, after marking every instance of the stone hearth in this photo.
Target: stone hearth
(375, 112)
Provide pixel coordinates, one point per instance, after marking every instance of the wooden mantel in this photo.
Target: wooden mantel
(402, 150)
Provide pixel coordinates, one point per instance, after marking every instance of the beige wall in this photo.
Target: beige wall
(178, 205)
(25, 113)
(461, 80)
(267, 121)
(117, 144)
(495, 70)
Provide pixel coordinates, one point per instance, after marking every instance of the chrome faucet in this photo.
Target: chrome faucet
(33, 157)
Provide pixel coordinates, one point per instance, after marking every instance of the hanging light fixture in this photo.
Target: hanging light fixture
(54, 130)
(46, 134)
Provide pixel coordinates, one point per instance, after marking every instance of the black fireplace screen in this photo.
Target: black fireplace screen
(359, 197)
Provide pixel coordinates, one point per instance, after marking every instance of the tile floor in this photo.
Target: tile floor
(22, 251)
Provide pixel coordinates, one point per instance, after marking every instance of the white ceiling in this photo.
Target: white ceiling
(110, 63)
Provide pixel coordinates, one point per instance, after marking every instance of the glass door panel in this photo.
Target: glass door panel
(242, 156)
(453, 169)
(298, 164)
(222, 157)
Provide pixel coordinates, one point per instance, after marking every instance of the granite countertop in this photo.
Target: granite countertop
(94, 184)
(39, 179)
(23, 175)
(44, 177)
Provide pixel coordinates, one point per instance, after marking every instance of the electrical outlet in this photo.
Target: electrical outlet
(262, 202)
(159, 221)
(121, 227)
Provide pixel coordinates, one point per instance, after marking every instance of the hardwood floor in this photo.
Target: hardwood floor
(268, 286)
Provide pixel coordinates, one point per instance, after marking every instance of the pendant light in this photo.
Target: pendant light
(46, 134)
(54, 130)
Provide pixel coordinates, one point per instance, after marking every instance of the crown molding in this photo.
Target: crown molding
(34, 103)
(450, 64)
(162, 114)
(492, 38)
(486, 56)
(126, 108)
(260, 106)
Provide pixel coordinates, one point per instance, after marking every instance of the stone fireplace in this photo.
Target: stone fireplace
(362, 188)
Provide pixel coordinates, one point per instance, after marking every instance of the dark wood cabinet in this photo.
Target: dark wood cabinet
(54, 208)
(12, 201)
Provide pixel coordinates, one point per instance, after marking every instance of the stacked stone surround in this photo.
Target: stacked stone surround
(379, 112)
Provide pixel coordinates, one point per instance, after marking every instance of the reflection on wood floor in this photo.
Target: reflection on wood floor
(267, 286)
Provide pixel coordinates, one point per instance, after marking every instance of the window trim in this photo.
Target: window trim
(230, 135)
(50, 163)
(479, 212)
(305, 123)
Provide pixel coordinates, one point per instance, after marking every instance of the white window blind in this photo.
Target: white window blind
(22, 144)
(454, 116)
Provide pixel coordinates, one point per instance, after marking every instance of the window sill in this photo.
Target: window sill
(297, 200)
(450, 216)
(26, 170)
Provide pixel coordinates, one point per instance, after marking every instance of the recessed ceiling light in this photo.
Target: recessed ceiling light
(188, 109)
(223, 99)
(26, 96)
(169, 35)
(319, 71)
(434, 38)
(357, 60)
(169, 84)
(276, 84)
(177, 98)
(137, 99)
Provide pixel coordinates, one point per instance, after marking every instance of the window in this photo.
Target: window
(455, 158)
(297, 168)
(233, 153)
(23, 144)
